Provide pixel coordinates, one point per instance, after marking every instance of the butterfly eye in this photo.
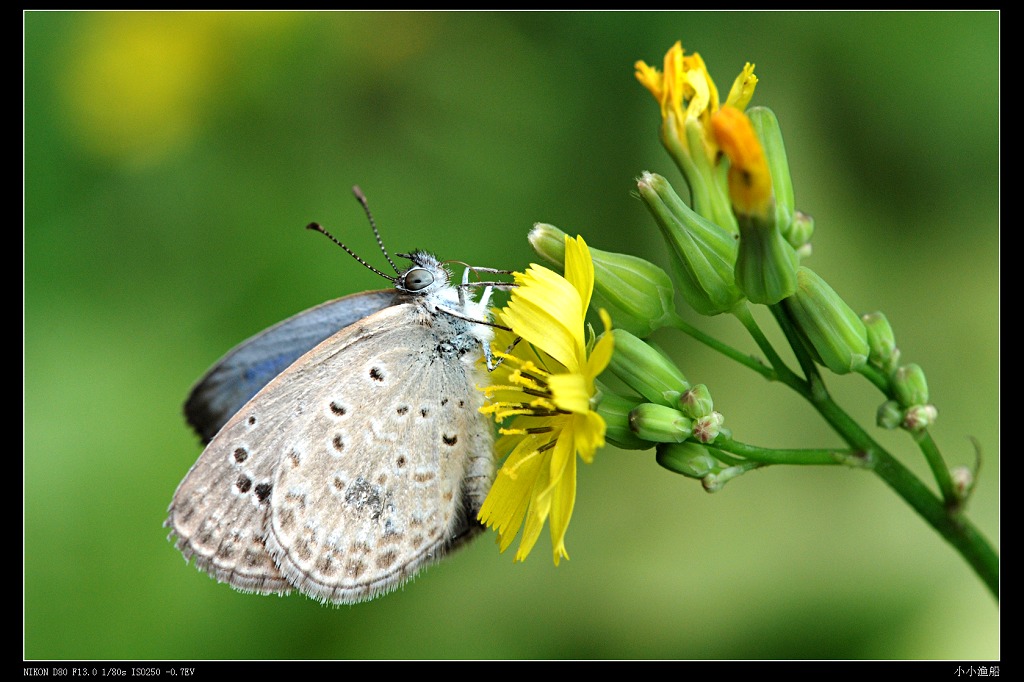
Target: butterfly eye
(418, 279)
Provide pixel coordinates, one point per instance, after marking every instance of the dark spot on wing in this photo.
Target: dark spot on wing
(263, 491)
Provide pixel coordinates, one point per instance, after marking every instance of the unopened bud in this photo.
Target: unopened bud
(635, 292)
(919, 417)
(660, 424)
(881, 341)
(890, 415)
(834, 331)
(689, 459)
(696, 402)
(909, 385)
(703, 253)
(615, 410)
(646, 370)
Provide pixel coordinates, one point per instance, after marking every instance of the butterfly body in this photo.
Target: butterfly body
(364, 460)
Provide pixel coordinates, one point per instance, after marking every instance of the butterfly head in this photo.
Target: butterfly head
(424, 277)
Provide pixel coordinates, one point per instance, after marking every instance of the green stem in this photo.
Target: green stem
(958, 531)
(784, 373)
(878, 378)
(938, 466)
(783, 456)
(944, 518)
(924, 441)
(815, 385)
(711, 342)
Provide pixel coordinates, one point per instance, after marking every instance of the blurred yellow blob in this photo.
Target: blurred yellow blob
(137, 84)
(136, 81)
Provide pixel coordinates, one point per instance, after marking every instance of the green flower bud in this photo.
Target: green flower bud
(963, 481)
(704, 254)
(660, 424)
(646, 370)
(799, 233)
(688, 459)
(883, 354)
(697, 402)
(615, 410)
(890, 415)
(635, 292)
(766, 125)
(910, 386)
(833, 331)
(766, 264)
(919, 417)
(707, 428)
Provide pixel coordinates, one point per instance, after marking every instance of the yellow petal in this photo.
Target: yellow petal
(579, 269)
(602, 353)
(650, 78)
(588, 432)
(563, 500)
(673, 85)
(540, 505)
(510, 494)
(571, 392)
(547, 312)
(700, 89)
(742, 90)
(750, 181)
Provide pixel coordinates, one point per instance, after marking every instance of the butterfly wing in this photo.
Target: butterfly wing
(219, 516)
(250, 365)
(362, 462)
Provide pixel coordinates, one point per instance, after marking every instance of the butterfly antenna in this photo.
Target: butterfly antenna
(319, 228)
(366, 207)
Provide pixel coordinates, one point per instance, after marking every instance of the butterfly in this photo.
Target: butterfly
(346, 449)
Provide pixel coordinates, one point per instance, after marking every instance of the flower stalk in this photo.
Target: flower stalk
(736, 244)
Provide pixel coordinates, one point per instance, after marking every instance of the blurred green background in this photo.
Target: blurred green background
(172, 161)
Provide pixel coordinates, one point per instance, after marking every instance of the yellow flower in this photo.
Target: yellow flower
(750, 181)
(686, 92)
(546, 388)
